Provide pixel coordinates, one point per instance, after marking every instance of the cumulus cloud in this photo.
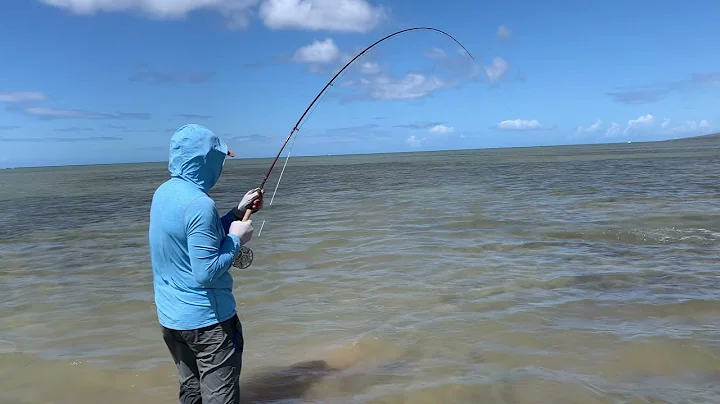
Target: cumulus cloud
(411, 86)
(503, 33)
(692, 127)
(497, 69)
(590, 129)
(413, 141)
(646, 125)
(640, 123)
(331, 15)
(22, 96)
(324, 51)
(441, 129)
(375, 80)
(613, 130)
(434, 129)
(520, 124)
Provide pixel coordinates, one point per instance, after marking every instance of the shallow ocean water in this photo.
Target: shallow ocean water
(584, 274)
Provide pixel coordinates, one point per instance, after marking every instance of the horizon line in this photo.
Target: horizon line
(370, 153)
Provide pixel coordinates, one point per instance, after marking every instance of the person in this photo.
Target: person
(191, 250)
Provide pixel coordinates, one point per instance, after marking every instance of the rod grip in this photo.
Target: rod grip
(246, 217)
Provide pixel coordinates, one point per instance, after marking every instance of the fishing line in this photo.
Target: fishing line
(278, 181)
(292, 146)
(244, 257)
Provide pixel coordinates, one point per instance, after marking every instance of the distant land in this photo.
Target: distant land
(713, 136)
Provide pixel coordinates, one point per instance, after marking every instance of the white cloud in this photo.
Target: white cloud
(435, 53)
(613, 130)
(590, 129)
(413, 141)
(160, 9)
(643, 122)
(318, 52)
(497, 70)
(692, 126)
(332, 15)
(370, 68)
(412, 86)
(504, 32)
(18, 97)
(441, 129)
(519, 124)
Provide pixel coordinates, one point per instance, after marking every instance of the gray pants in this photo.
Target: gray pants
(208, 361)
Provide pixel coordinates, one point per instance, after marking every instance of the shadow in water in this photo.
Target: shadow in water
(286, 383)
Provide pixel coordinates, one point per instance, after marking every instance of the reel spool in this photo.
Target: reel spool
(244, 258)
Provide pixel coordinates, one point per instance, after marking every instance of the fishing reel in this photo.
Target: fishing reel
(243, 258)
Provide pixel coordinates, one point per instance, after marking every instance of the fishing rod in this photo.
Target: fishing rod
(245, 256)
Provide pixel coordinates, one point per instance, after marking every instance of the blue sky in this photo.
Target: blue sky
(104, 81)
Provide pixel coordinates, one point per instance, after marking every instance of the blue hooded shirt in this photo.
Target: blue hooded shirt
(190, 248)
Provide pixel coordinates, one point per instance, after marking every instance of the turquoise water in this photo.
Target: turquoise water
(583, 274)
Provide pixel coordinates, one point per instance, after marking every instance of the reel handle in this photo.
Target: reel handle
(244, 257)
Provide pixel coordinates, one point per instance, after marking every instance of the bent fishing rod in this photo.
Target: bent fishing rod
(245, 255)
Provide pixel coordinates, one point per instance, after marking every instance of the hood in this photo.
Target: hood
(197, 155)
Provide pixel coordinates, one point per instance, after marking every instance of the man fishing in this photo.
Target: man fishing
(191, 249)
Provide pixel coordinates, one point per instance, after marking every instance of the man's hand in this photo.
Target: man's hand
(252, 200)
(244, 230)
(258, 202)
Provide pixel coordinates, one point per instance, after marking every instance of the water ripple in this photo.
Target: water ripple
(578, 274)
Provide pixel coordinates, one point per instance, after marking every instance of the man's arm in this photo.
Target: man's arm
(211, 253)
(228, 219)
